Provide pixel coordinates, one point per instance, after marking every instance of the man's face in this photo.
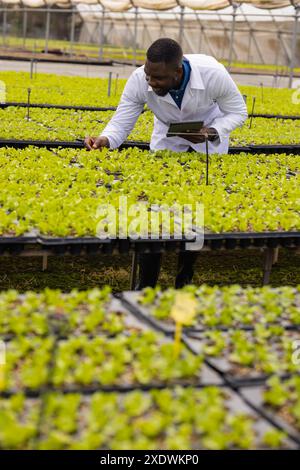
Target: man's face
(162, 77)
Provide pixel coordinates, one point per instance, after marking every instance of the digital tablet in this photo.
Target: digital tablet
(182, 129)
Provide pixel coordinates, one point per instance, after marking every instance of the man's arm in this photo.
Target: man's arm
(119, 127)
(227, 95)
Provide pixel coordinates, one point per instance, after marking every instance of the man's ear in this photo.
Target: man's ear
(179, 71)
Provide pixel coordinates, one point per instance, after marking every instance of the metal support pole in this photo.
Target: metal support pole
(200, 38)
(47, 29)
(277, 51)
(211, 50)
(72, 33)
(116, 83)
(31, 68)
(45, 262)
(275, 84)
(181, 25)
(269, 257)
(148, 32)
(109, 83)
(133, 272)
(87, 66)
(161, 27)
(224, 29)
(28, 104)
(252, 111)
(135, 35)
(235, 7)
(249, 47)
(101, 34)
(286, 49)
(4, 27)
(294, 45)
(130, 30)
(24, 27)
(252, 37)
(262, 91)
(276, 255)
(258, 50)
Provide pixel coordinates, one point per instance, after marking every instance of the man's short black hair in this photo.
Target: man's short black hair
(165, 50)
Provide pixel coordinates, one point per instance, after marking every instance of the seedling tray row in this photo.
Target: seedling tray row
(113, 108)
(47, 422)
(92, 245)
(130, 301)
(252, 149)
(254, 398)
(57, 106)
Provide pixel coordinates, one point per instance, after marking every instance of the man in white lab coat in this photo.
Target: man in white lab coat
(176, 88)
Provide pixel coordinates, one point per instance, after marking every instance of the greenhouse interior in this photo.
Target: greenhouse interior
(150, 230)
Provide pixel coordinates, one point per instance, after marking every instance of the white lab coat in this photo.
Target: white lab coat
(210, 96)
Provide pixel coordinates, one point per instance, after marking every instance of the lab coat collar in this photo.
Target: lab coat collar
(195, 82)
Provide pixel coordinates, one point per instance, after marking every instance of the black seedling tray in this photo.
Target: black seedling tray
(113, 305)
(142, 312)
(262, 424)
(222, 366)
(49, 144)
(92, 245)
(206, 378)
(251, 149)
(233, 240)
(193, 331)
(63, 60)
(91, 389)
(113, 108)
(129, 300)
(234, 404)
(276, 116)
(56, 106)
(253, 397)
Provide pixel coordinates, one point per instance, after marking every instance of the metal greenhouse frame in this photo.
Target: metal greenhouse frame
(227, 14)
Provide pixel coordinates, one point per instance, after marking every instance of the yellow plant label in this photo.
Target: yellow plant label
(184, 308)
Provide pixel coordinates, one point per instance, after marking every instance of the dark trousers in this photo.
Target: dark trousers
(149, 268)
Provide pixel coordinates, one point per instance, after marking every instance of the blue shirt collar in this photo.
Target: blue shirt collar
(186, 76)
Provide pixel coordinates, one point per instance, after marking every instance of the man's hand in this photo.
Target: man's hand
(96, 143)
(209, 133)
